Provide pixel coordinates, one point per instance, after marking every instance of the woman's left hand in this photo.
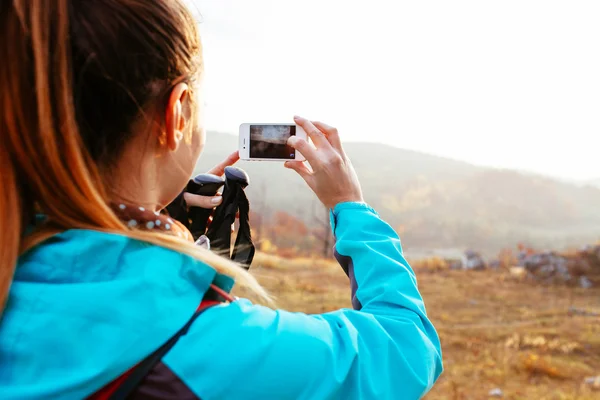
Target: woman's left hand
(194, 200)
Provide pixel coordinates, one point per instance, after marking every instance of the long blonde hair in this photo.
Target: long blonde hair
(74, 76)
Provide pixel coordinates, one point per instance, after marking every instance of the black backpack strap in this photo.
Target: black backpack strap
(141, 370)
(219, 230)
(243, 250)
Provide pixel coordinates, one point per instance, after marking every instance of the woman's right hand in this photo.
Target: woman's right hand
(331, 175)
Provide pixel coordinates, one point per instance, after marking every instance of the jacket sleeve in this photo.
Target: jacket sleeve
(386, 350)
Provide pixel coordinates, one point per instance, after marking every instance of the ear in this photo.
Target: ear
(175, 120)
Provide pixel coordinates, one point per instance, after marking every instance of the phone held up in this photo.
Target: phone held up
(268, 142)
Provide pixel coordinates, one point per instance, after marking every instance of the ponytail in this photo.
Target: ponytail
(10, 222)
(43, 151)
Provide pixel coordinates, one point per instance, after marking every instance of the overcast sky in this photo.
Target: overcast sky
(508, 83)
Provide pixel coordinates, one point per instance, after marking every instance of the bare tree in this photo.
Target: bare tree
(322, 229)
(260, 207)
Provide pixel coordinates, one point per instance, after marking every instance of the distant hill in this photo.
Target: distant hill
(594, 182)
(436, 203)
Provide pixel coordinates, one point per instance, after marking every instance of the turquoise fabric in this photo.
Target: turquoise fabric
(85, 306)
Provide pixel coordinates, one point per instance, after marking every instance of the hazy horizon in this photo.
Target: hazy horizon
(512, 85)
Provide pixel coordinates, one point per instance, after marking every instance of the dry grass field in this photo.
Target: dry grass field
(497, 331)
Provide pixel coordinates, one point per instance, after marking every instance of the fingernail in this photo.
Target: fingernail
(216, 200)
(297, 117)
(292, 140)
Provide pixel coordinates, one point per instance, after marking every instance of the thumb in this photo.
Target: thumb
(301, 169)
(194, 200)
(297, 166)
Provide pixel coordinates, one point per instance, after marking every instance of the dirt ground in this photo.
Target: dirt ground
(496, 331)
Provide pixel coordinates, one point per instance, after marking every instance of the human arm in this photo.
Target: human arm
(385, 348)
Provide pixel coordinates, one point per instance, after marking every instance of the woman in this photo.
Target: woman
(100, 130)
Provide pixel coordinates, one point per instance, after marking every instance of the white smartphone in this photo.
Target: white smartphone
(268, 142)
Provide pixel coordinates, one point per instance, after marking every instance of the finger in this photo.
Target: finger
(309, 152)
(300, 168)
(219, 169)
(331, 134)
(315, 135)
(195, 200)
(203, 241)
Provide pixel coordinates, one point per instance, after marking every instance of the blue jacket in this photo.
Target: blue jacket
(85, 306)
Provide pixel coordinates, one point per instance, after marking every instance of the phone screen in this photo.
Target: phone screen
(270, 141)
